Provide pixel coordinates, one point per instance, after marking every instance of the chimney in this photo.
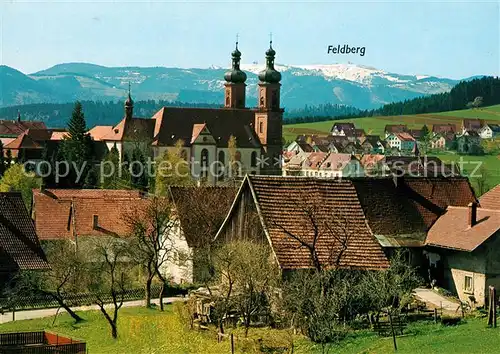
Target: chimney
(95, 224)
(472, 214)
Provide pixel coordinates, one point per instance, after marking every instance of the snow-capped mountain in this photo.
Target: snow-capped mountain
(359, 86)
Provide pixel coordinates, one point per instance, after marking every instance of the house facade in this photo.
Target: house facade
(466, 240)
(401, 141)
(489, 131)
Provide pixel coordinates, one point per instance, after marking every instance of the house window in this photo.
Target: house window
(469, 284)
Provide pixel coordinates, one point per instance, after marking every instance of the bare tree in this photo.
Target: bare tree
(322, 229)
(201, 211)
(107, 276)
(151, 223)
(59, 281)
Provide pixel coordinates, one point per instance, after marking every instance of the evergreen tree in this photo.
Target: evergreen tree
(109, 167)
(77, 146)
(138, 170)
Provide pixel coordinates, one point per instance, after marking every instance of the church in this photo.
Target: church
(205, 132)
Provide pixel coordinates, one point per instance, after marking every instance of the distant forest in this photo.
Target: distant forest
(56, 115)
(462, 96)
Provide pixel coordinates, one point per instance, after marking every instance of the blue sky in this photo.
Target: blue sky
(448, 39)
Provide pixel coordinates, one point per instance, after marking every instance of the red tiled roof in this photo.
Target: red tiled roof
(452, 230)
(491, 199)
(197, 129)
(396, 128)
(132, 129)
(405, 137)
(444, 128)
(335, 162)
(14, 127)
(472, 124)
(19, 245)
(100, 131)
(338, 214)
(23, 141)
(64, 213)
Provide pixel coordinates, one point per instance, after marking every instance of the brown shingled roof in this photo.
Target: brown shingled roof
(191, 205)
(337, 212)
(491, 199)
(19, 245)
(452, 230)
(14, 127)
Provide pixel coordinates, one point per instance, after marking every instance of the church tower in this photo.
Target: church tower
(235, 83)
(129, 105)
(269, 115)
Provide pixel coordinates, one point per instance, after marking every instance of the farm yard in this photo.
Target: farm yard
(151, 331)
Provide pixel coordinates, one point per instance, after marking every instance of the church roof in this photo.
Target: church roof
(174, 123)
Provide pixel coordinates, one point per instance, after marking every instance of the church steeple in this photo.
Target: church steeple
(129, 105)
(235, 82)
(270, 74)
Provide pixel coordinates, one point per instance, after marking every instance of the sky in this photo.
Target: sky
(445, 39)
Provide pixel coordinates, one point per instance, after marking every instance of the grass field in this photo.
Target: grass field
(375, 125)
(151, 331)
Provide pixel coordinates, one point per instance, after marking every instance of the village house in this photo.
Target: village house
(438, 142)
(82, 215)
(401, 141)
(444, 129)
(205, 132)
(199, 213)
(395, 129)
(471, 125)
(465, 241)
(298, 147)
(272, 210)
(343, 129)
(339, 166)
(397, 213)
(20, 248)
(489, 131)
(372, 144)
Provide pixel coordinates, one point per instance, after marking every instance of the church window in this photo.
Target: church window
(253, 159)
(261, 127)
(204, 163)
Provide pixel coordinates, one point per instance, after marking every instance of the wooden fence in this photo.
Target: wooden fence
(40, 343)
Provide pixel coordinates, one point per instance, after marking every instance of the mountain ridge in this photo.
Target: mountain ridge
(359, 86)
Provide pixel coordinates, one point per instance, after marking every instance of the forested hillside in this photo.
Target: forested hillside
(96, 113)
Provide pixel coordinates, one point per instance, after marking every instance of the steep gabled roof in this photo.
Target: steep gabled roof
(176, 123)
(452, 230)
(281, 203)
(472, 124)
(19, 245)
(14, 127)
(131, 129)
(344, 126)
(191, 209)
(491, 199)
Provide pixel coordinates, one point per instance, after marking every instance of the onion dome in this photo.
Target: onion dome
(270, 74)
(235, 75)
